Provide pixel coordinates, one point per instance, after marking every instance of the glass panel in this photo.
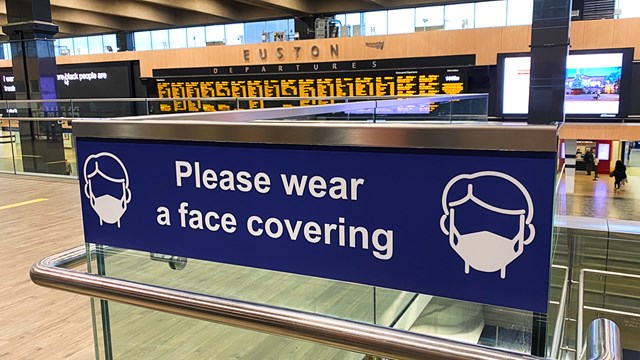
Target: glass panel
(196, 37)
(95, 44)
(105, 109)
(292, 28)
(142, 40)
(491, 13)
(458, 16)
(177, 38)
(214, 33)
(66, 46)
(81, 45)
(253, 32)
(353, 19)
(45, 147)
(6, 48)
(629, 8)
(304, 293)
(277, 25)
(160, 39)
(8, 143)
(429, 17)
(110, 42)
(375, 23)
(519, 12)
(137, 333)
(342, 18)
(234, 34)
(399, 21)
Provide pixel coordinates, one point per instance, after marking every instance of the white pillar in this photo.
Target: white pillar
(570, 165)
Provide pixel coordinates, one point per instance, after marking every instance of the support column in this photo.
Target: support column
(570, 147)
(549, 50)
(34, 68)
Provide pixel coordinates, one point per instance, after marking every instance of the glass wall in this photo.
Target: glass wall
(519, 12)
(491, 13)
(429, 17)
(448, 17)
(375, 23)
(177, 38)
(459, 16)
(398, 24)
(628, 8)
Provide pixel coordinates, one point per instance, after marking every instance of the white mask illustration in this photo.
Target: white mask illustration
(108, 208)
(484, 250)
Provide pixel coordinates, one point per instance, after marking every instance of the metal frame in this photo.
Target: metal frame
(349, 335)
(558, 329)
(261, 127)
(466, 137)
(344, 98)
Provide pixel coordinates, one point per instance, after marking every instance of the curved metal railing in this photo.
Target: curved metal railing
(364, 338)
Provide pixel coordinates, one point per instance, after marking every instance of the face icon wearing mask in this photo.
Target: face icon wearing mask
(105, 168)
(485, 250)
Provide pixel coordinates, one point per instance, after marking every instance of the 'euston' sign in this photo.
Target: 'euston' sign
(469, 225)
(293, 53)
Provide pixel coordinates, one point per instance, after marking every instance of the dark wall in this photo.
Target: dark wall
(482, 80)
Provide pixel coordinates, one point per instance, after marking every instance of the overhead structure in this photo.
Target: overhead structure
(83, 17)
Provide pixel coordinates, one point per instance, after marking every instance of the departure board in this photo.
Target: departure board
(428, 81)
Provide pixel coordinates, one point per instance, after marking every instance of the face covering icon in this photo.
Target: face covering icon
(486, 251)
(110, 169)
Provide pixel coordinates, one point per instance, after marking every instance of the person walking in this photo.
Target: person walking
(619, 174)
(588, 160)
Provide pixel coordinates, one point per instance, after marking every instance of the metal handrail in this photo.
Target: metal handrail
(557, 330)
(349, 335)
(581, 306)
(603, 341)
(443, 97)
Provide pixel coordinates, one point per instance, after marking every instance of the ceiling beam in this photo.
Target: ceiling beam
(73, 29)
(291, 7)
(121, 8)
(101, 20)
(186, 18)
(218, 8)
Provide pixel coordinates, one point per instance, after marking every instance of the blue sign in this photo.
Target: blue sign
(469, 225)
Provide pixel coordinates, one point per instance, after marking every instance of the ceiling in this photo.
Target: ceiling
(82, 17)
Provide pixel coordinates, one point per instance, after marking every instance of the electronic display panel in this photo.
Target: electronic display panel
(87, 81)
(371, 83)
(596, 84)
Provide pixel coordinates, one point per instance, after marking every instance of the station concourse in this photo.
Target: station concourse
(302, 180)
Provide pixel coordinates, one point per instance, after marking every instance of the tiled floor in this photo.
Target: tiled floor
(599, 199)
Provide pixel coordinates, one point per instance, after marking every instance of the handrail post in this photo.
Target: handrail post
(580, 315)
(603, 340)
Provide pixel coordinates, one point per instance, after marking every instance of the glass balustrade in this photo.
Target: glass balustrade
(36, 136)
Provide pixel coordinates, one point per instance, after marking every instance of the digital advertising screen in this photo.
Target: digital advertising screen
(596, 84)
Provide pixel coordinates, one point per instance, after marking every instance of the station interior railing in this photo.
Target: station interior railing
(158, 306)
(45, 124)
